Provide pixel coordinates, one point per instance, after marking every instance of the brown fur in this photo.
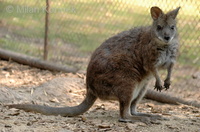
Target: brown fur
(122, 66)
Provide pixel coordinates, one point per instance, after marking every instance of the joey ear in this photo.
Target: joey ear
(156, 12)
(174, 13)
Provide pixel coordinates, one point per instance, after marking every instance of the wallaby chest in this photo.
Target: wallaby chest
(166, 55)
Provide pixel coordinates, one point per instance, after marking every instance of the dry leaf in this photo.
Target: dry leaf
(167, 114)
(45, 93)
(14, 114)
(131, 126)
(198, 116)
(103, 126)
(54, 100)
(32, 90)
(83, 118)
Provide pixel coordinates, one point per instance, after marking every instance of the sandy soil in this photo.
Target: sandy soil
(20, 84)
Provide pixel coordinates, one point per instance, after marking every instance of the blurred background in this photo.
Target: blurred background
(77, 27)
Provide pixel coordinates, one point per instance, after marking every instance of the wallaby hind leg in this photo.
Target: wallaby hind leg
(134, 103)
(125, 113)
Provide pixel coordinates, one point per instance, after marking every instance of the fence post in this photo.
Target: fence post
(46, 31)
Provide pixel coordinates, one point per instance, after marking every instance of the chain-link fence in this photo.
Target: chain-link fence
(77, 27)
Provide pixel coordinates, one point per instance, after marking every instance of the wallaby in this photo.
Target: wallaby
(121, 67)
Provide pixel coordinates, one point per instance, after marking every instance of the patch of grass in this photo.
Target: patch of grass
(88, 23)
(16, 16)
(20, 47)
(190, 56)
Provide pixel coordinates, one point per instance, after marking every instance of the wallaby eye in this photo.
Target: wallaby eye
(172, 27)
(159, 27)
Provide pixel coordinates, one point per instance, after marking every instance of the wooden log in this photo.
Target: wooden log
(34, 62)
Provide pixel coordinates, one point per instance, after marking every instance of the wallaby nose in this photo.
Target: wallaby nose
(167, 38)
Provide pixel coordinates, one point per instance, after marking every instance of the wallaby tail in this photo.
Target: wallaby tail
(164, 98)
(63, 111)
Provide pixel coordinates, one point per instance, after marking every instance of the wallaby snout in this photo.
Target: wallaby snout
(168, 33)
(167, 38)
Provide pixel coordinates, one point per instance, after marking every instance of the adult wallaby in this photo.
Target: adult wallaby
(122, 66)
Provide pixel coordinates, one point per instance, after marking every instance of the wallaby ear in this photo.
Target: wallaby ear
(156, 12)
(174, 13)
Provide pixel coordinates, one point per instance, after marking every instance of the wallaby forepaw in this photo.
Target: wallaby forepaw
(166, 84)
(158, 87)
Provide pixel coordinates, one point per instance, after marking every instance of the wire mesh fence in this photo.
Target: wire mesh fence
(77, 27)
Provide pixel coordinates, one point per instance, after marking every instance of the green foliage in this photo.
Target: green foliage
(28, 49)
(87, 23)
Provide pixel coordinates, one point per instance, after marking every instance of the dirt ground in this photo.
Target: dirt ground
(22, 84)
